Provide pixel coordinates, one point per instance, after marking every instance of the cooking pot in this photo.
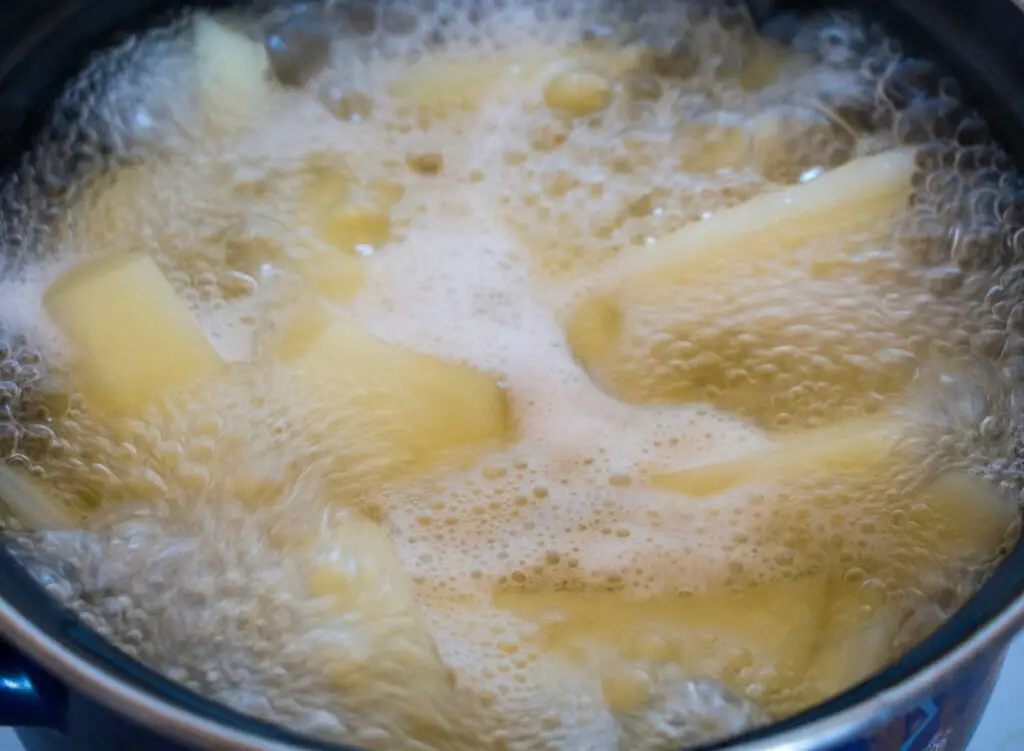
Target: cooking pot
(63, 687)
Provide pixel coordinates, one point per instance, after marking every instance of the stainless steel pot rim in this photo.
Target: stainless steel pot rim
(184, 727)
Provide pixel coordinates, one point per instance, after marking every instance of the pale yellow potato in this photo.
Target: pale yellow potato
(855, 642)
(405, 408)
(232, 73)
(849, 447)
(761, 635)
(961, 515)
(444, 84)
(752, 282)
(134, 341)
(864, 193)
(378, 653)
(34, 506)
(360, 572)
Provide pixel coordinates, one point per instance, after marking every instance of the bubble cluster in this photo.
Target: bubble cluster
(452, 177)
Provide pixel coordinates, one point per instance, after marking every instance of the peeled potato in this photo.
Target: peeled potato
(855, 642)
(762, 635)
(232, 71)
(134, 340)
(406, 408)
(441, 84)
(962, 515)
(361, 573)
(464, 83)
(850, 447)
(381, 656)
(862, 194)
(32, 505)
(759, 299)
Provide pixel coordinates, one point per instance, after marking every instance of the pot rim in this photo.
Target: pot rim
(183, 726)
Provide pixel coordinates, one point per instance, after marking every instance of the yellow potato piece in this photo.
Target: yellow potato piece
(33, 505)
(134, 340)
(850, 447)
(863, 193)
(411, 409)
(384, 659)
(232, 71)
(962, 515)
(362, 574)
(762, 636)
(755, 285)
(854, 644)
(447, 84)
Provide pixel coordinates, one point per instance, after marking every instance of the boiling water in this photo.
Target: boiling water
(542, 593)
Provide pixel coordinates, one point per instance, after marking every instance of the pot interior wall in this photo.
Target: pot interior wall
(42, 46)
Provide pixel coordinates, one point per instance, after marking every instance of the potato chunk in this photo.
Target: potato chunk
(361, 573)
(855, 642)
(377, 651)
(408, 408)
(232, 71)
(758, 641)
(443, 84)
(850, 447)
(34, 506)
(961, 517)
(768, 308)
(135, 341)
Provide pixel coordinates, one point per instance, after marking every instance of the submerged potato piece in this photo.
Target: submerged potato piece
(964, 516)
(756, 294)
(361, 573)
(444, 83)
(757, 641)
(854, 644)
(134, 340)
(35, 507)
(232, 71)
(850, 199)
(411, 408)
(379, 653)
(850, 447)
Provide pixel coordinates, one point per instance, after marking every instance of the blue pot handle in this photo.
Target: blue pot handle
(28, 696)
